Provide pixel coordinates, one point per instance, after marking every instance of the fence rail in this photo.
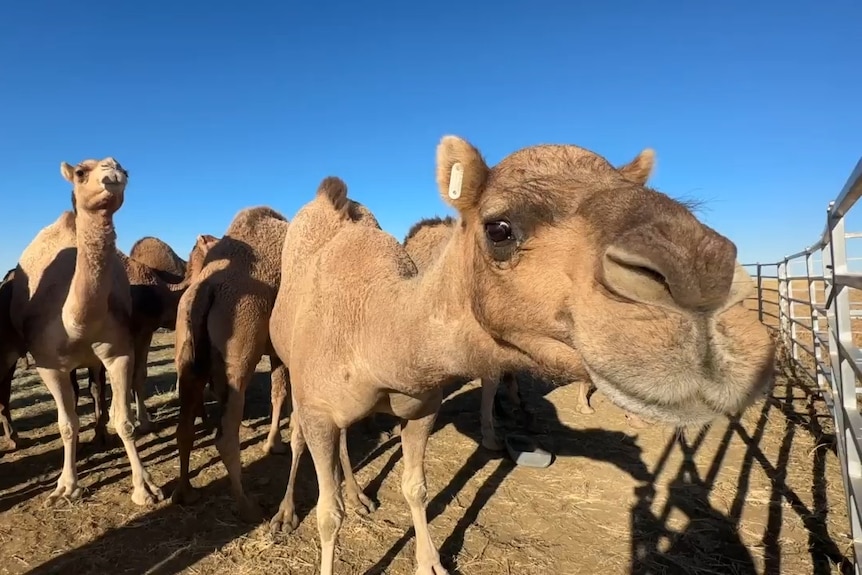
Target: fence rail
(813, 311)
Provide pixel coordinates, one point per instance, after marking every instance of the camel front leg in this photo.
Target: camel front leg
(489, 434)
(583, 402)
(5, 408)
(67, 421)
(120, 369)
(414, 439)
(139, 382)
(97, 385)
(322, 436)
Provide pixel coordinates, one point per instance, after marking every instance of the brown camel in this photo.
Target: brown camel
(11, 349)
(222, 333)
(159, 257)
(154, 306)
(559, 264)
(72, 306)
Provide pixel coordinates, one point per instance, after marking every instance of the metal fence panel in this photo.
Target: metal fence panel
(818, 332)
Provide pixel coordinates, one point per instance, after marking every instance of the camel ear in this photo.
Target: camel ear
(68, 172)
(461, 173)
(205, 241)
(639, 169)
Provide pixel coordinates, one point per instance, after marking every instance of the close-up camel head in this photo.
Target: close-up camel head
(97, 185)
(575, 263)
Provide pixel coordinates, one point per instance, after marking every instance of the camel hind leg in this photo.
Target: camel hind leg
(280, 391)
(231, 381)
(190, 388)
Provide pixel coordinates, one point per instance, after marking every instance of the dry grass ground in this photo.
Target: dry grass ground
(762, 495)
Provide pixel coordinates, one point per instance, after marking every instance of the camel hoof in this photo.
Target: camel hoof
(363, 504)
(145, 427)
(431, 569)
(185, 494)
(12, 442)
(276, 447)
(586, 410)
(636, 422)
(143, 497)
(249, 511)
(245, 423)
(278, 523)
(64, 492)
(491, 442)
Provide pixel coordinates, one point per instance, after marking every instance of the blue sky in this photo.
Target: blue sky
(750, 106)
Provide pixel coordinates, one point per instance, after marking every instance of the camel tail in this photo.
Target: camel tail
(193, 353)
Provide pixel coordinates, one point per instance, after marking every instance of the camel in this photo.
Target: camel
(424, 242)
(215, 323)
(222, 333)
(159, 257)
(559, 264)
(154, 306)
(10, 351)
(72, 306)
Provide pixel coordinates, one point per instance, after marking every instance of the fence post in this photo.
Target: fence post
(783, 311)
(816, 346)
(759, 292)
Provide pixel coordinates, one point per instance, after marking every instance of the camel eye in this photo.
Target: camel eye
(499, 231)
(79, 172)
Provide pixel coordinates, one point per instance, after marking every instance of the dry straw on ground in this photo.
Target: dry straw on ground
(762, 495)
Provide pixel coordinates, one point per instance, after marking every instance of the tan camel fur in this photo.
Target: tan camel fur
(425, 242)
(72, 306)
(159, 257)
(222, 333)
(154, 306)
(559, 263)
(287, 520)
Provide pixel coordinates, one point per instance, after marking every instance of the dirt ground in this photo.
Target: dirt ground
(762, 495)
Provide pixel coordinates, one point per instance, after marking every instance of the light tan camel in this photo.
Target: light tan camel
(425, 242)
(154, 306)
(222, 333)
(559, 264)
(159, 257)
(72, 306)
(356, 497)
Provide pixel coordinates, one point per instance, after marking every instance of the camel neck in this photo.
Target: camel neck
(91, 282)
(446, 342)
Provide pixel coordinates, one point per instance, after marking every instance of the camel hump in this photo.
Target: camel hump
(335, 190)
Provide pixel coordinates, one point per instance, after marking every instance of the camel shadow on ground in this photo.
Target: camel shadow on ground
(176, 527)
(709, 543)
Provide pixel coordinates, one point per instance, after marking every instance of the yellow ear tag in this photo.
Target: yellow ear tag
(455, 180)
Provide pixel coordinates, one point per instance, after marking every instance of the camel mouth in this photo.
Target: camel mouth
(690, 409)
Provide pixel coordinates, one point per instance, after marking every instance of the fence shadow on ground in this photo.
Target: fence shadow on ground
(710, 542)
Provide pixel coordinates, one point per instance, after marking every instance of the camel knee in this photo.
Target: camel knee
(67, 430)
(415, 492)
(125, 429)
(329, 519)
